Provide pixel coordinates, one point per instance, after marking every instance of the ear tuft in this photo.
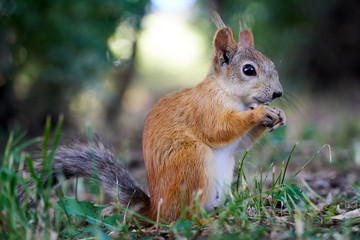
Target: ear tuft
(217, 19)
(246, 38)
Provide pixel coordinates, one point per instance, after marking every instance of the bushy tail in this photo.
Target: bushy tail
(95, 160)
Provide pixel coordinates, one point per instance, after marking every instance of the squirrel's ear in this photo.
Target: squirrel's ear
(224, 45)
(246, 38)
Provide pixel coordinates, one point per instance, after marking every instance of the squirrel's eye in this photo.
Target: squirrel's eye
(249, 70)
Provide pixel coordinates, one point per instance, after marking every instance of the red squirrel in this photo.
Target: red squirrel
(190, 135)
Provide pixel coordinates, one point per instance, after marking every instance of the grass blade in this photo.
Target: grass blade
(287, 162)
(312, 158)
(241, 170)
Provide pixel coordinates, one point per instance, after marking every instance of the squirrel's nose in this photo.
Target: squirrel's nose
(277, 94)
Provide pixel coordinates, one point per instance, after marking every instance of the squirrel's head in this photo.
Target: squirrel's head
(242, 71)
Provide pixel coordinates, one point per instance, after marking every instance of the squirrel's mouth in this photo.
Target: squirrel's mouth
(258, 102)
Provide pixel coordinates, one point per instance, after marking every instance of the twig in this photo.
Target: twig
(158, 215)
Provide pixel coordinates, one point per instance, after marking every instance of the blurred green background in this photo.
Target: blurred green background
(107, 62)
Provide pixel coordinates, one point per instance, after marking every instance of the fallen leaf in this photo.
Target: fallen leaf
(352, 214)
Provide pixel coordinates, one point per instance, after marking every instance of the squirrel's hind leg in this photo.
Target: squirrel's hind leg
(185, 180)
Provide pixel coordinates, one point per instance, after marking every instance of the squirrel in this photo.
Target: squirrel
(190, 135)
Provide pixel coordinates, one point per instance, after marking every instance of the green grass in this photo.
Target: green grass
(269, 204)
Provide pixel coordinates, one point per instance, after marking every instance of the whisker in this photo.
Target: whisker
(282, 104)
(295, 107)
(293, 98)
(298, 106)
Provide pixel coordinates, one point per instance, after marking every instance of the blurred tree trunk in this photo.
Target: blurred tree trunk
(7, 102)
(333, 55)
(122, 82)
(7, 98)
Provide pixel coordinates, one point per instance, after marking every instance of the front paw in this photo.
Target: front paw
(273, 118)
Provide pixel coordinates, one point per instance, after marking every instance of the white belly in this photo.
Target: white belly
(222, 172)
(224, 161)
(222, 169)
